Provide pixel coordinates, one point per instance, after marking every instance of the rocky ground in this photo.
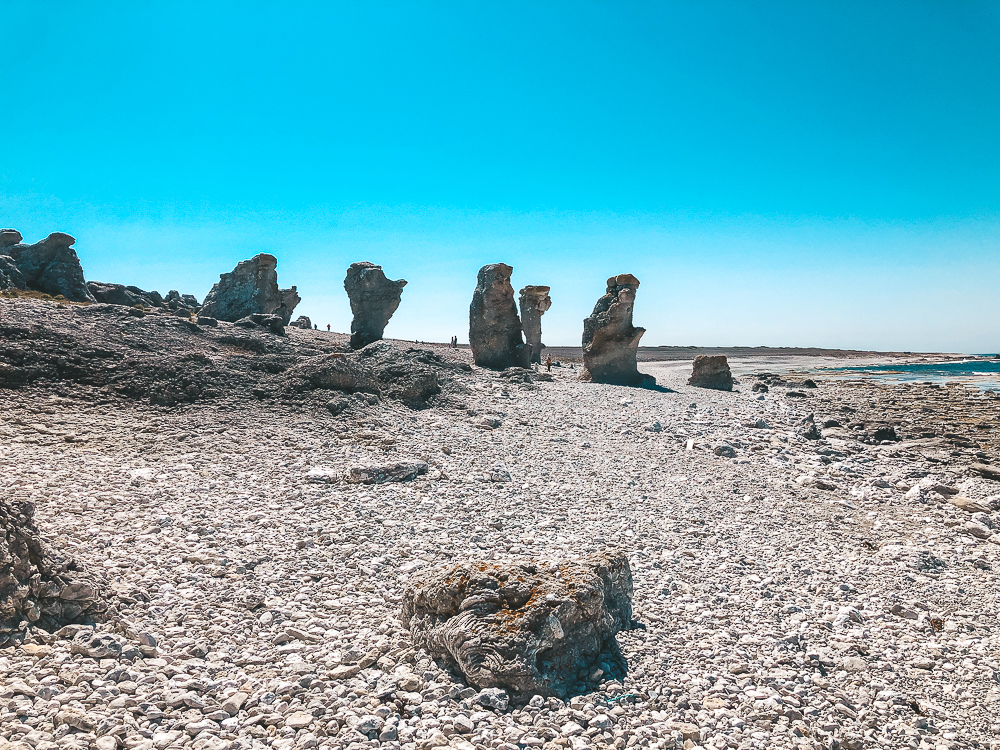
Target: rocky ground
(799, 585)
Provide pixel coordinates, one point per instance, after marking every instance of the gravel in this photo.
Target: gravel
(795, 592)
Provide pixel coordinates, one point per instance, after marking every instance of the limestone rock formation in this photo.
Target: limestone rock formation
(10, 237)
(10, 276)
(304, 322)
(530, 627)
(119, 294)
(374, 299)
(177, 301)
(36, 586)
(494, 327)
(712, 371)
(610, 341)
(250, 288)
(380, 368)
(535, 301)
(50, 266)
(289, 301)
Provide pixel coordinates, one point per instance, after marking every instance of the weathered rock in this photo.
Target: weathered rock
(51, 267)
(712, 371)
(494, 327)
(969, 505)
(986, 470)
(806, 428)
(382, 369)
(531, 627)
(535, 301)
(177, 301)
(101, 646)
(250, 288)
(885, 432)
(36, 585)
(119, 294)
(273, 322)
(10, 237)
(610, 341)
(304, 322)
(289, 301)
(402, 471)
(10, 276)
(374, 299)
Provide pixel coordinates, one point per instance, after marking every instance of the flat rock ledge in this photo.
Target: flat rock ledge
(531, 627)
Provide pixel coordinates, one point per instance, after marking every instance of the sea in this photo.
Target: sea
(983, 372)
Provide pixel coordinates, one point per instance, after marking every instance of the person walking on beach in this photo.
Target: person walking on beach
(548, 362)
(327, 327)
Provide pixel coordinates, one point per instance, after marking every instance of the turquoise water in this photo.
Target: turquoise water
(982, 373)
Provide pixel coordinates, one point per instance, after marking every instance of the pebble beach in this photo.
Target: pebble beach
(835, 590)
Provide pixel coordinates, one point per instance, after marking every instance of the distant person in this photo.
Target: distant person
(315, 326)
(548, 362)
(327, 327)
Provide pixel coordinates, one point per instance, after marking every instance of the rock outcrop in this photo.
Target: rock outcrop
(119, 294)
(250, 288)
(10, 276)
(177, 301)
(494, 327)
(50, 266)
(38, 587)
(9, 237)
(532, 628)
(304, 322)
(535, 301)
(374, 299)
(712, 371)
(410, 375)
(610, 341)
(290, 299)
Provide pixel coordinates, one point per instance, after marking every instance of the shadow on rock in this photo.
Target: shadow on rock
(531, 627)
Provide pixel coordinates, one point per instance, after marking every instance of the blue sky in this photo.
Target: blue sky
(774, 173)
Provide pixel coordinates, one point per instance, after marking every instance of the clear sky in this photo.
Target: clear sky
(775, 173)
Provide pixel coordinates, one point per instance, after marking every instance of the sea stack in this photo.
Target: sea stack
(250, 288)
(374, 299)
(610, 341)
(494, 328)
(535, 300)
(711, 371)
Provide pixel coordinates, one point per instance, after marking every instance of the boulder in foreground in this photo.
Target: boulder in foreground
(531, 627)
(712, 371)
(36, 586)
